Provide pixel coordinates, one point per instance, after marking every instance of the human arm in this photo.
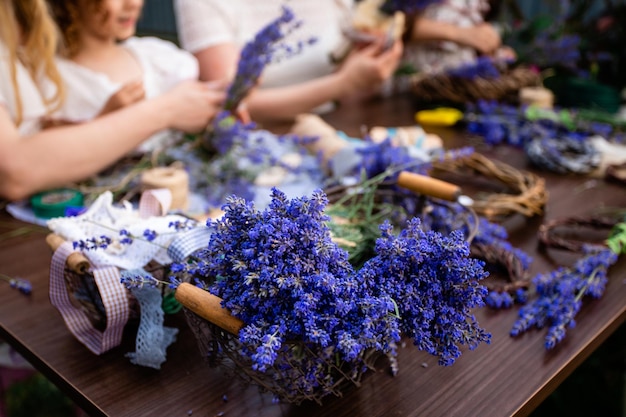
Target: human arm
(363, 70)
(59, 155)
(482, 37)
(128, 94)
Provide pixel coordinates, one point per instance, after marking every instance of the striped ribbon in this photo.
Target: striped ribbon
(114, 298)
(114, 295)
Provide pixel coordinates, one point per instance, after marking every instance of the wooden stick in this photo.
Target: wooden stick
(76, 261)
(207, 306)
(433, 187)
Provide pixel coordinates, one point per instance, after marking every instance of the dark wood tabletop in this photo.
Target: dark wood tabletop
(509, 377)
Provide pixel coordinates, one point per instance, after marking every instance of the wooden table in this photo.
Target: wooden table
(509, 377)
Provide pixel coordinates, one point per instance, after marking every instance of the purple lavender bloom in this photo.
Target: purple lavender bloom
(282, 275)
(139, 281)
(265, 48)
(434, 282)
(93, 243)
(560, 295)
(22, 285)
(149, 235)
(482, 67)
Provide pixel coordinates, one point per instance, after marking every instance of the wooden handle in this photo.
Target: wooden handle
(433, 187)
(76, 261)
(207, 306)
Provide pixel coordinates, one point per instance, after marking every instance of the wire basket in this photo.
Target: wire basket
(216, 334)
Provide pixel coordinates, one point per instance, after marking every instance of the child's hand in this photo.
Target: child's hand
(483, 37)
(125, 96)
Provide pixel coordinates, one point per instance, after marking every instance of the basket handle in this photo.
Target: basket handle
(207, 306)
(423, 184)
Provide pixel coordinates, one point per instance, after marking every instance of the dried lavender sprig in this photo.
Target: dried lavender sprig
(265, 48)
(560, 295)
(22, 285)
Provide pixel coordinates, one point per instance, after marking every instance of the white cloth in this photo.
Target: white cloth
(436, 56)
(205, 23)
(33, 107)
(105, 218)
(164, 65)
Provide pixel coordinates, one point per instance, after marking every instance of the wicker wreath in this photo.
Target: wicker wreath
(527, 196)
(445, 87)
(551, 233)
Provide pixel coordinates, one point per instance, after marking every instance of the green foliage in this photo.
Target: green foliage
(617, 239)
(37, 397)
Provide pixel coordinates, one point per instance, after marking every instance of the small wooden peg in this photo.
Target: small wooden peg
(433, 187)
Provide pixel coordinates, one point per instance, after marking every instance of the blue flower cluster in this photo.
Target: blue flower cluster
(481, 67)
(560, 295)
(406, 6)
(500, 123)
(279, 271)
(125, 238)
(434, 283)
(552, 141)
(242, 152)
(265, 48)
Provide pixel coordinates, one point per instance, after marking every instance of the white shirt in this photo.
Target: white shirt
(164, 65)
(437, 56)
(33, 107)
(206, 23)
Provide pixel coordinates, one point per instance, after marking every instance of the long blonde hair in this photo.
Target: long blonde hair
(31, 37)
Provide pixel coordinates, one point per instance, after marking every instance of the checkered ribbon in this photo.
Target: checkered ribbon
(155, 202)
(114, 297)
(189, 242)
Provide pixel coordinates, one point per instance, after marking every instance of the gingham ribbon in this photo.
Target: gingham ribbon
(114, 297)
(155, 202)
(189, 242)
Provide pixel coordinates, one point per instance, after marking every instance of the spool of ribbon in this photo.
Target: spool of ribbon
(537, 96)
(54, 203)
(174, 179)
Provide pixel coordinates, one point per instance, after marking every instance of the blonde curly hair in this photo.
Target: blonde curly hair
(31, 37)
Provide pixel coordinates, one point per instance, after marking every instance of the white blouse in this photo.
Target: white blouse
(33, 107)
(205, 23)
(437, 56)
(164, 65)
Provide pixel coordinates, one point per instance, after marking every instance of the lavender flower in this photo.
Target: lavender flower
(93, 243)
(22, 285)
(560, 294)
(279, 272)
(242, 153)
(265, 48)
(481, 67)
(139, 281)
(434, 282)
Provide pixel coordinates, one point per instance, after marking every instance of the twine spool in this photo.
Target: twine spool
(537, 96)
(174, 179)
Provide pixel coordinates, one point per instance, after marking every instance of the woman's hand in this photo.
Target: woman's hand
(365, 69)
(191, 105)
